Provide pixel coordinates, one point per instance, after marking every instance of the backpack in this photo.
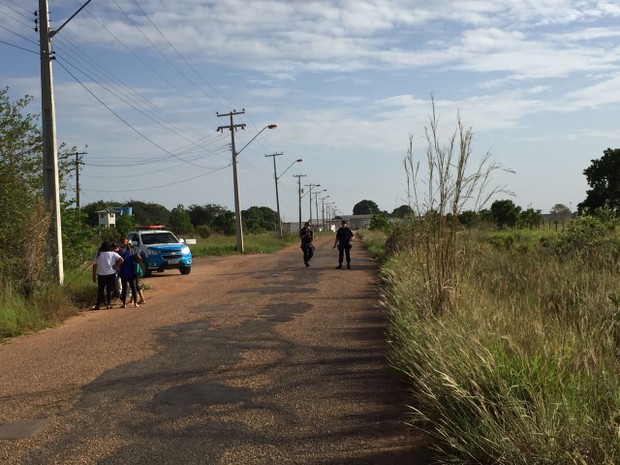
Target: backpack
(137, 269)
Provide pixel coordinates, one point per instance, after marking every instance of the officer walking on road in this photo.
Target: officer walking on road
(344, 236)
(307, 236)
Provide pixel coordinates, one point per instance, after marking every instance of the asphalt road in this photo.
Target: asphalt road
(249, 360)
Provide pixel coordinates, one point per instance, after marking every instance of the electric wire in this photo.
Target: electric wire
(159, 186)
(157, 49)
(129, 93)
(137, 131)
(179, 54)
(99, 70)
(17, 20)
(18, 47)
(19, 5)
(19, 35)
(139, 110)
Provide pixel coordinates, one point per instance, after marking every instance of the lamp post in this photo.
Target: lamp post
(276, 178)
(233, 127)
(310, 192)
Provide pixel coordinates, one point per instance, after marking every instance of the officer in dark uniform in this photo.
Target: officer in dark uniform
(344, 236)
(307, 235)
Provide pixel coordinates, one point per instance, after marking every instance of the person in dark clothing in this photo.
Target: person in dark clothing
(344, 236)
(127, 274)
(307, 235)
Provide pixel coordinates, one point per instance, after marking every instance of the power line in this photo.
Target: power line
(122, 119)
(19, 35)
(158, 186)
(19, 6)
(178, 53)
(18, 47)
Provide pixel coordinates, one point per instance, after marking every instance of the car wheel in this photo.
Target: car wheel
(185, 269)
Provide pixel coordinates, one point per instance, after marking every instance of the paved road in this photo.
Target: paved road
(249, 360)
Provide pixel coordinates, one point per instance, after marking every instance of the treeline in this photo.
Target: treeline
(202, 220)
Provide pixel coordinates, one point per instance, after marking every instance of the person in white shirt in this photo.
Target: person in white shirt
(104, 273)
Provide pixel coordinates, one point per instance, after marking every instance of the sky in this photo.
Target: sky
(139, 84)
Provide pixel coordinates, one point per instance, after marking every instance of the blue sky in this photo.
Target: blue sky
(140, 83)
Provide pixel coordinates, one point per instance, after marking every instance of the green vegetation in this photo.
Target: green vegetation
(508, 337)
(520, 365)
(218, 244)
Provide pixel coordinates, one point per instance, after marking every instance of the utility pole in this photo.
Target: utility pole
(299, 176)
(275, 179)
(51, 190)
(78, 161)
(323, 210)
(51, 195)
(233, 128)
(310, 196)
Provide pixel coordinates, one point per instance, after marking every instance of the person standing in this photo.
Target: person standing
(104, 273)
(344, 236)
(127, 273)
(307, 236)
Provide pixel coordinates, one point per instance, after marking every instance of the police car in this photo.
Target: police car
(160, 249)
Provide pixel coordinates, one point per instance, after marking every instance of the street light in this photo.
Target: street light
(276, 178)
(233, 128)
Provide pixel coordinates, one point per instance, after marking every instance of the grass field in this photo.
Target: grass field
(519, 365)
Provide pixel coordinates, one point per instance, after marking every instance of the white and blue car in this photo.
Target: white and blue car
(161, 250)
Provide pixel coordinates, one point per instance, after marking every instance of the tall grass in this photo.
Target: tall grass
(522, 368)
(509, 341)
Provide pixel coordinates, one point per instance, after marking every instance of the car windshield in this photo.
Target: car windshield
(159, 238)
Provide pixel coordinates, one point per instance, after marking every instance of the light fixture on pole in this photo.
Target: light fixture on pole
(233, 127)
(276, 178)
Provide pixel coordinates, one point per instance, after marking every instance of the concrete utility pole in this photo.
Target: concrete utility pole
(233, 128)
(275, 179)
(310, 196)
(51, 195)
(299, 176)
(323, 211)
(78, 161)
(51, 190)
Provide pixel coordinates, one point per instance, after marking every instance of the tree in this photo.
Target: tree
(468, 218)
(560, 212)
(603, 177)
(125, 224)
(530, 218)
(180, 221)
(149, 213)
(259, 219)
(379, 223)
(505, 213)
(366, 207)
(218, 219)
(403, 211)
(23, 223)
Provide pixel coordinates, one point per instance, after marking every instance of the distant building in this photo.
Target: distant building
(107, 216)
